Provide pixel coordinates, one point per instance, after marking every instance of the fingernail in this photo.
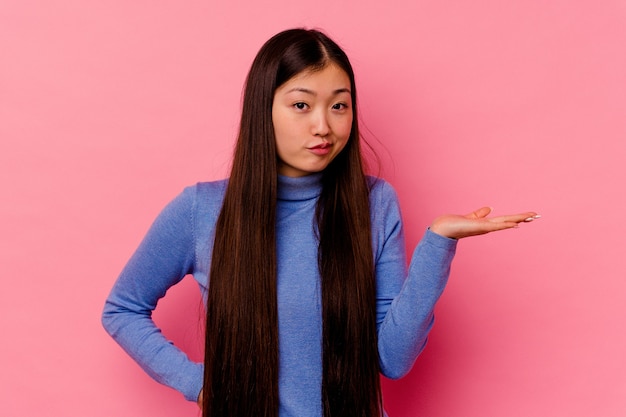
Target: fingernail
(529, 219)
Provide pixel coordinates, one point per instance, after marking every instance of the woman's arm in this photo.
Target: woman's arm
(406, 299)
(163, 258)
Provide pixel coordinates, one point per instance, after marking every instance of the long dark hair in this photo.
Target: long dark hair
(241, 353)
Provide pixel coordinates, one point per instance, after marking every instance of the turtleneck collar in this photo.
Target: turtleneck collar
(299, 188)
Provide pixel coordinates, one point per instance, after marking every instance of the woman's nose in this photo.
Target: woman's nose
(320, 125)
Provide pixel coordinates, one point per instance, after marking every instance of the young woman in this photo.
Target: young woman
(310, 298)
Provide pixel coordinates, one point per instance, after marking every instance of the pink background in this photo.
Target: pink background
(109, 108)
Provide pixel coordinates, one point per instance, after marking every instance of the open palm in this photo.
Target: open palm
(477, 223)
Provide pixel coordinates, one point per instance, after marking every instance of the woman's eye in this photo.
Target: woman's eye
(300, 106)
(340, 106)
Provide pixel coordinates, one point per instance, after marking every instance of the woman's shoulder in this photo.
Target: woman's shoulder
(210, 188)
(384, 208)
(203, 196)
(380, 189)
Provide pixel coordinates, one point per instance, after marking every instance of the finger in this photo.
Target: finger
(516, 218)
(488, 227)
(531, 218)
(480, 213)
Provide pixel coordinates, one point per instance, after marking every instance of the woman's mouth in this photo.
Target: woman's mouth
(321, 149)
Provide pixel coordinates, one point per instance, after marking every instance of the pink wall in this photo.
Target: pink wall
(107, 109)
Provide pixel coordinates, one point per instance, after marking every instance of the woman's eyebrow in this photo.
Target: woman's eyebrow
(313, 93)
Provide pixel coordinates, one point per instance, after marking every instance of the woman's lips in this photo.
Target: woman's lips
(322, 149)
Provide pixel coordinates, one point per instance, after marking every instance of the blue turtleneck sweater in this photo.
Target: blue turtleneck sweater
(180, 243)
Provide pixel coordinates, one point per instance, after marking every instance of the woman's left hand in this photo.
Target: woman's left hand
(477, 223)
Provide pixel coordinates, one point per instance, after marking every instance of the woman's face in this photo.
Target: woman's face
(312, 116)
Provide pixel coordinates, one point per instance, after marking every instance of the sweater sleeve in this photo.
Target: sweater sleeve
(163, 258)
(406, 298)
